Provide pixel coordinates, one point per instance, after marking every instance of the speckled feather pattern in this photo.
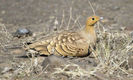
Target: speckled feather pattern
(65, 43)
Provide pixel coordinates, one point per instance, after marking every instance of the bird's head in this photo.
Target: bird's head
(92, 20)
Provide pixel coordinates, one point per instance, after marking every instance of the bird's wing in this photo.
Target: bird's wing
(65, 44)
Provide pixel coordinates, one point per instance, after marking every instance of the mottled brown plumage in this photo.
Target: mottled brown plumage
(68, 43)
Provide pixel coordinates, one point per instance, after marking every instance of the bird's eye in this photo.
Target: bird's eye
(93, 18)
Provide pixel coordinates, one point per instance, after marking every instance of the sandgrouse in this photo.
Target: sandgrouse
(68, 43)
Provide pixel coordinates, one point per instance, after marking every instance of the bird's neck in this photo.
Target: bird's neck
(90, 30)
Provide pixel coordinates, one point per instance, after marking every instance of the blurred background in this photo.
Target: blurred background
(39, 14)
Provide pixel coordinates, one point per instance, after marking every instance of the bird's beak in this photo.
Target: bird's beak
(101, 18)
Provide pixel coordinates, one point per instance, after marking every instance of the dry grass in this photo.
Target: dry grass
(5, 37)
(112, 48)
(113, 51)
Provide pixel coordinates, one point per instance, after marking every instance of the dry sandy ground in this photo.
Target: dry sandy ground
(43, 17)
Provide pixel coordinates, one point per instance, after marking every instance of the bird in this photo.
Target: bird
(74, 44)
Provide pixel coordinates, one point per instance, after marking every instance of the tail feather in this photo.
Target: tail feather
(40, 47)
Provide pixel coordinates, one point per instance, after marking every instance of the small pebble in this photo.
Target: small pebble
(22, 32)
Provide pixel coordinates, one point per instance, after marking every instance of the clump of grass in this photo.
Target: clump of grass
(25, 69)
(78, 71)
(5, 36)
(112, 49)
